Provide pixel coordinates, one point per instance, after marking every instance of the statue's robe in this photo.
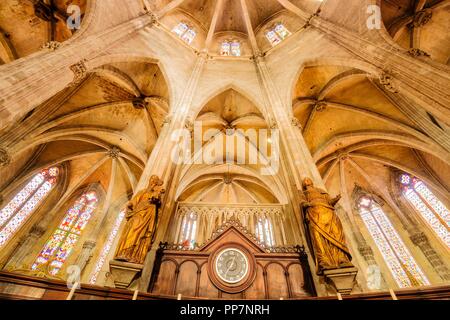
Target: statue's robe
(327, 235)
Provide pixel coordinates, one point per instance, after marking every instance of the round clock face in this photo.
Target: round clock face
(232, 265)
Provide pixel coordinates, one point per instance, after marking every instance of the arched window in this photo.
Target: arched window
(188, 230)
(264, 232)
(399, 260)
(186, 33)
(16, 212)
(107, 247)
(433, 211)
(63, 240)
(230, 48)
(277, 34)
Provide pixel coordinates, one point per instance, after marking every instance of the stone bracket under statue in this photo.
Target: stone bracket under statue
(137, 236)
(327, 240)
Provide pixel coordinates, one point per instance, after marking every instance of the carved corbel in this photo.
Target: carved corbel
(51, 45)
(387, 81)
(80, 72)
(421, 18)
(415, 52)
(296, 123)
(167, 120)
(310, 18)
(5, 157)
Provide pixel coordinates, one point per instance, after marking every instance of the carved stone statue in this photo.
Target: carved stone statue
(325, 228)
(142, 216)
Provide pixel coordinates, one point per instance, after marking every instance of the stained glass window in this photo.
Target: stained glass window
(230, 48)
(20, 208)
(107, 247)
(277, 34)
(63, 240)
(186, 33)
(399, 260)
(188, 230)
(264, 232)
(433, 211)
(235, 48)
(273, 38)
(225, 49)
(281, 30)
(180, 29)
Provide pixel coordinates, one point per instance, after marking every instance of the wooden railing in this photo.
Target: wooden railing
(20, 287)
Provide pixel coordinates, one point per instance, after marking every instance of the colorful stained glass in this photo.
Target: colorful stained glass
(180, 29)
(399, 260)
(225, 49)
(273, 37)
(189, 36)
(20, 198)
(277, 34)
(186, 33)
(230, 48)
(64, 239)
(16, 212)
(281, 30)
(107, 247)
(432, 210)
(235, 48)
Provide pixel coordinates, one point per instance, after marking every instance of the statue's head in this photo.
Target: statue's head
(154, 180)
(307, 182)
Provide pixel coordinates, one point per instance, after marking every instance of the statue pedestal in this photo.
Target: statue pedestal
(123, 273)
(343, 279)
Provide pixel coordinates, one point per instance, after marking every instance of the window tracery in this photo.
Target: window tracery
(399, 260)
(60, 245)
(20, 208)
(430, 208)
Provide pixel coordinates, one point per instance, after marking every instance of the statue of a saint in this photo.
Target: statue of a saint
(141, 216)
(325, 228)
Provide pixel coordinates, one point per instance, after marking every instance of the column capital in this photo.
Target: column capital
(419, 238)
(296, 123)
(89, 244)
(36, 231)
(310, 18)
(167, 120)
(5, 157)
(80, 72)
(415, 52)
(421, 18)
(51, 45)
(366, 251)
(387, 81)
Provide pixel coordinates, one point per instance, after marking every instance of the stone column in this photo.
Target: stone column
(160, 164)
(24, 248)
(27, 82)
(421, 240)
(85, 254)
(302, 165)
(92, 238)
(301, 161)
